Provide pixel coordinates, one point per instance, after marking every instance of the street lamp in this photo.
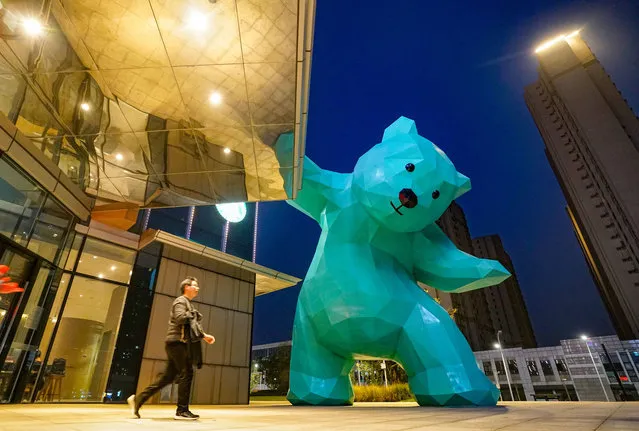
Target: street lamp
(385, 377)
(585, 338)
(498, 346)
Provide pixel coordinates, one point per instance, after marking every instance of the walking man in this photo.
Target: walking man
(182, 348)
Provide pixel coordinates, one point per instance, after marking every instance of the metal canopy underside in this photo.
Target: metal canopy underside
(160, 102)
(266, 280)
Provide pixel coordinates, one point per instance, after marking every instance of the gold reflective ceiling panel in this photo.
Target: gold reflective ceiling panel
(159, 102)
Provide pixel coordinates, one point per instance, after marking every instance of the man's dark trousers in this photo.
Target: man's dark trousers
(180, 366)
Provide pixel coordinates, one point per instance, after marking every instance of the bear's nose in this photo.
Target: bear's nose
(408, 198)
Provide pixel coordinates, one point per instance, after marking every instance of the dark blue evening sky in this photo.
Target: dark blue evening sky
(458, 68)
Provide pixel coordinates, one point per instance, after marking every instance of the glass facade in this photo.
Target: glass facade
(35, 238)
(21, 200)
(240, 238)
(80, 357)
(137, 311)
(106, 261)
(171, 220)
(207, 228)
(81, 354)
(63, 338)
(59, 335)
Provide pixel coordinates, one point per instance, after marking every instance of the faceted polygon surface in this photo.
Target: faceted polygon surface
(360, 296)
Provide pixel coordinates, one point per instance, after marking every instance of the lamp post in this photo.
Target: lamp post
(585, 338)
(385, 377)
(498, 345)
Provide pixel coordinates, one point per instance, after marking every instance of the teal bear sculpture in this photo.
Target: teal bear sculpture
(360, 297)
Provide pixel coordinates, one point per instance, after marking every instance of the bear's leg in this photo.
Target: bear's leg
(440, 366)
(318, 376)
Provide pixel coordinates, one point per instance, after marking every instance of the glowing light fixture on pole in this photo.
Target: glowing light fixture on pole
(233, 212)
(503, 361)
(592, 358)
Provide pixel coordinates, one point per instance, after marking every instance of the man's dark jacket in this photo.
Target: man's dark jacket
(182, 313)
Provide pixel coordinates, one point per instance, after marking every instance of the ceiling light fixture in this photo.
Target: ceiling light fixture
(227, 151)
(196, 20)
(32, 27)
(119, 157)
(85, 106)
(215, 98)
(112, 267)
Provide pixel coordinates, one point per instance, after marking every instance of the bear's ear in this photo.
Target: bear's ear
(463, 185)
(402, 126)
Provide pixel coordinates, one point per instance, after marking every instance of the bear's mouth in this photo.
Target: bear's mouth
(407, 198)
(396, 208)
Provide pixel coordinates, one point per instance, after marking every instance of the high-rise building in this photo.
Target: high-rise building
(506, 304)
(471, 310)
(592, 143)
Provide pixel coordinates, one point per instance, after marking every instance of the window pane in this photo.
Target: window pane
(488, 368)
(50, 230)
(133, 327)
(105, 260)
(54, 315)
(240, 238)
(546, 367)
(532, 368)
(27, 325)
(171, 220)
(20, 200)
(512, 366)
(208, 227)
(561, 366)
(83, 347)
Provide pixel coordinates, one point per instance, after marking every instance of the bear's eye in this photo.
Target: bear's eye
(435, 194)
(410, 167)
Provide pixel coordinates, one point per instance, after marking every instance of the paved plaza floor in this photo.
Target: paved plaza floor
(262, 416)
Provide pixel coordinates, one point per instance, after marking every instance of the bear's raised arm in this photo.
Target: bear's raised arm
(317, 183)
(439, 264)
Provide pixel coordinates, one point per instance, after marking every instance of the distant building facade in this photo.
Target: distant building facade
(566, 372)
(592, 143)
(471, 315)
(506, 305)
(480, 314)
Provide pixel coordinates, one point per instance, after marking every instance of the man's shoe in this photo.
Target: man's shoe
(185, 416)
(135, 410)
